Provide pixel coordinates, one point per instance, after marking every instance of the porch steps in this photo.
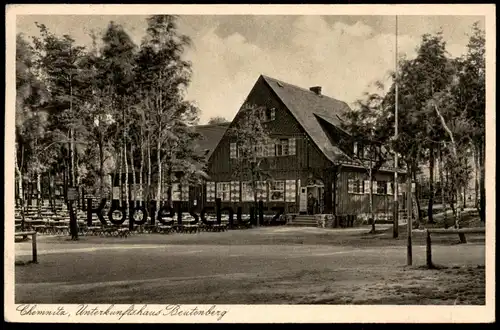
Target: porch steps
(303, 220)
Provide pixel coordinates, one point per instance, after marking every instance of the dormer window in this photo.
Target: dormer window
(269, 114)
(359, 151)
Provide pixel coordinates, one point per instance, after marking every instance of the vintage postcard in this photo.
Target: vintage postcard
(250, 163)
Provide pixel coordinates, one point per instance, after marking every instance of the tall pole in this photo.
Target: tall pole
(395, 228)
(409, 224)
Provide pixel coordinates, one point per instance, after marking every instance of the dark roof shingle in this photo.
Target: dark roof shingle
(210, 137)
(304, 105)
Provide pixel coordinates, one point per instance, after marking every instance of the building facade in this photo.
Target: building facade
(310, 158)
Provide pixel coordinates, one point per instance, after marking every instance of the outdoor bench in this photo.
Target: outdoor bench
(164, 229)
(94, 230)
(60, 229)
(40, 229)
(123, 232)
(215, 227)
(190, 228)
(110, 231)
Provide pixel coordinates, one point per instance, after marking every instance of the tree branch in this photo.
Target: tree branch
(447, 129)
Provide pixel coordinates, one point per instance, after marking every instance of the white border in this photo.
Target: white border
(268, 313)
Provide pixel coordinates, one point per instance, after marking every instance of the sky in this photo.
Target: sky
(345, 55)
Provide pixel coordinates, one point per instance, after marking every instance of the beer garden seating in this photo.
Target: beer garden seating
(54, 220)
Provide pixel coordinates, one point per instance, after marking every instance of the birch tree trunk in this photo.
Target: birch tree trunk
(254, 179)
(120, 177)
(72, 215)
(442, 179)
(38, 188)
(101, 166)
(430, 214)
(415, 198)
(158, 143)
(126, 173)
(158, 162)
(482, 189)
(476, 176)
(141, 167)
(454, 152)
(149, 169)
(51, 187)
(19, 179)
(133, 172)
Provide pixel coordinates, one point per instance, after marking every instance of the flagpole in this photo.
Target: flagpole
(395, 229)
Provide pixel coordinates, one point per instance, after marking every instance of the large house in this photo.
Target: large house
(310, 156)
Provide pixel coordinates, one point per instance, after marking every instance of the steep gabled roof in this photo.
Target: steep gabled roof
(305, 106)
(210, 137)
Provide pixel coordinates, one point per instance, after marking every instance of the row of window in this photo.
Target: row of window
(356, 186)
(275, 148)
(179, 192)
(235, 191)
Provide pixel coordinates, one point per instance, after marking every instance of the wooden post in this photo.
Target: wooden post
(33, 245)
(429, 251)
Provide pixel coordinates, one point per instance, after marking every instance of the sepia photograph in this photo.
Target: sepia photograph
(167, 164)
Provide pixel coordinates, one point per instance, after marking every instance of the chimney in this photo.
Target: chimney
(316, 90)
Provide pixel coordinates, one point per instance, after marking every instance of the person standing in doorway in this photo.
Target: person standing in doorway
(310, 203)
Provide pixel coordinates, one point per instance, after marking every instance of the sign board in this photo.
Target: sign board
(72, 194)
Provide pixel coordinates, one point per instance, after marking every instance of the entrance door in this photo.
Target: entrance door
(303, 199)
(317, 192)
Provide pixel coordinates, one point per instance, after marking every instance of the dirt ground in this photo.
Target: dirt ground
(273, 265)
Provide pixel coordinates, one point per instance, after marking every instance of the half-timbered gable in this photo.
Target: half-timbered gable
(310, 156)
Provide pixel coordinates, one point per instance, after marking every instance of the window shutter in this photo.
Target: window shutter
(272, 147)
(366, 187)
(291, 146)
(258, 150)
(116, 192)
(350, 186)
(210, 191)
(273, 113)
(290, 191)
(176, 196)
(219, 191)
(185, 192)
(262, 190)
(232, 150)
(235, 191)
(355, 148)
(389, 188)
(375, 187)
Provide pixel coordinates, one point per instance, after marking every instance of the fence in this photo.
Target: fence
(33, 242)
(460, 232)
